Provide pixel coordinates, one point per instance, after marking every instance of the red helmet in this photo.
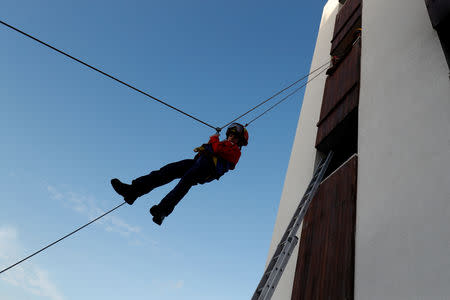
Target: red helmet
(240, 131)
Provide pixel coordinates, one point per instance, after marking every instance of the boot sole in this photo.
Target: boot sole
(157, 218)
(116, 186)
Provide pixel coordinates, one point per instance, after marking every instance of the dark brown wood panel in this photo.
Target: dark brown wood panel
(344, 15)
(347, 21)
(326, 258)
(341, 81)
(338, 114)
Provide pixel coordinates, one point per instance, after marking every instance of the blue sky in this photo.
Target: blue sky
(66, 131)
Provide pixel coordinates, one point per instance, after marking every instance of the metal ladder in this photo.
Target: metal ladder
(280, 258)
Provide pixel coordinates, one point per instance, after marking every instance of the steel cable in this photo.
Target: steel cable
(166, 104)
(295, 91)
(105, 74)
(57, 241)
(218, 129)
(274, 95)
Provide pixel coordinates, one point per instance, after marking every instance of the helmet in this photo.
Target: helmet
(239, 131)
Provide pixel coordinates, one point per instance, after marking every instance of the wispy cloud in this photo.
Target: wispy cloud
(168, 286)
(29, 277)
(87, 205)
(179, 284)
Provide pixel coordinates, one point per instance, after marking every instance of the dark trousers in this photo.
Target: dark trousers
(191, 171)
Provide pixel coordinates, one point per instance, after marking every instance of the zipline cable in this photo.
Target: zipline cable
(218, 129)
(67, 235)
(106, 74)
(164, 103)
(295, 91)
(101, 216)
(274, 95)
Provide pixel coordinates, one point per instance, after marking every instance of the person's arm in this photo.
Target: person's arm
(225, 149)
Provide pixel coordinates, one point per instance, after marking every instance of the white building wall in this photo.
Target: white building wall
(403, 199)
(301, 165)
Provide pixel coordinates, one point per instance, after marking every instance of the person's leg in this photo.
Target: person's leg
(202, 171)
(144, 184)
(166, 174)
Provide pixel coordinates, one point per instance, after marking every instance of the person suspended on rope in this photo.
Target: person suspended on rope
(211, 161)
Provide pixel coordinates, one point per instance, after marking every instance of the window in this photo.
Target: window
(439, 11)
(343, 140)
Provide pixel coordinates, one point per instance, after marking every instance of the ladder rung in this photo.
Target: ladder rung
(261, 289)
(268, 272)
(299, 209)
(291, 228)
(319, 169)
(271, 270)
(322, 163)
(282, 243)
(275, 258)
(283, 250)
(287, 233)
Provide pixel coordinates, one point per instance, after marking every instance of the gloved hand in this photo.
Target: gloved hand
(217, 132)
(200, 149)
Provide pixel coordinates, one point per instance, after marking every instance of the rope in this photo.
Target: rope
(218, 129)
(295, 91)
(106, 74)
(4, 270)
(274, 95)
(87, 224)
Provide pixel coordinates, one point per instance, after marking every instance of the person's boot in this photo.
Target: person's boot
(158, 215)
(125, 190)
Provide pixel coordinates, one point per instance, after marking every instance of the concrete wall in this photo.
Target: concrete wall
(403, 200)
(301, 165)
